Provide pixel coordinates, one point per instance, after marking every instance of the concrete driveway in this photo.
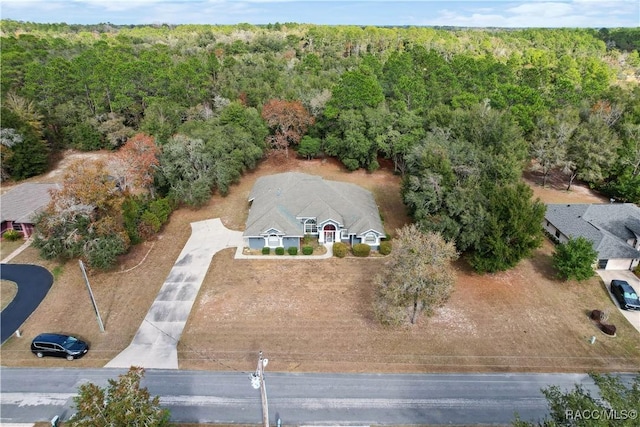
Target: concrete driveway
(154, 345)
(607, 276)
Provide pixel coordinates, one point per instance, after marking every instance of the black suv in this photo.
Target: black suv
(59, 345)
(625, 294)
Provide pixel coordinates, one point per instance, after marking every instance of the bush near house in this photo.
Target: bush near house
(266, 250)
(12, 235)
(361, 250)
(307, 250)
(280, 251)
(385, 248)
(340, 249)
(292, 250)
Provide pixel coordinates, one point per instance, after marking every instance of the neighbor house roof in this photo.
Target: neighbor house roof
(279, 201)
(608, 226)
(24, 201)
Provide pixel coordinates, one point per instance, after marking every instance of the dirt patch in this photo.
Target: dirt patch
(555, 190)
(317, 316)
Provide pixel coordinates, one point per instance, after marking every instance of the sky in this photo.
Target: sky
(462, 13)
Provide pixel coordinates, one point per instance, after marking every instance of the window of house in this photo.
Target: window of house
(370, 238)
(558, 234)
(344, 234)
(310, 226)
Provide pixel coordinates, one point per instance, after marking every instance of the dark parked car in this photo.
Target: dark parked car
(625, 294)
(59, 345)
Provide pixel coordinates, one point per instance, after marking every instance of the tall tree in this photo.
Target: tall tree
(550, 142)
(356, 90)
(290, 121)
(185, 169)
(419, 277)
(136, 162)
(591, 151)
(513, 228)
(122, 403)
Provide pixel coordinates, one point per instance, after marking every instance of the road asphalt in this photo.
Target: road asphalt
(33, 284)
(30, 394)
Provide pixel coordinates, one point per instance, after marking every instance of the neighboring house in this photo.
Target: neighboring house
(20, 205)
(613, 228)
(287, 206)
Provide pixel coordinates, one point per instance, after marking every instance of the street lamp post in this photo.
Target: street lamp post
(257, 382)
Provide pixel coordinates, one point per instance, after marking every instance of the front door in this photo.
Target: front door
(329, 233)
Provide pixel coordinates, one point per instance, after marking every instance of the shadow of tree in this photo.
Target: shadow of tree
(543, 263)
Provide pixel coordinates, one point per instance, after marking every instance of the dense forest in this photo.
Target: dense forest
(460, 113)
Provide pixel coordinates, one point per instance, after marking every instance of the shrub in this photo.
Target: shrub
(280, 251)
(307, 250)
(149, 225)
(340, 249)
(361, 250)
(161, 208)
(385, 248)
(292, 250)
(574, 259)
(12, 235)
(266, 250)
(101, 253)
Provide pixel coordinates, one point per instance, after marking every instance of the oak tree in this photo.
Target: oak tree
(289, 121)
(122, 403)
(419, 276)
(135, 163)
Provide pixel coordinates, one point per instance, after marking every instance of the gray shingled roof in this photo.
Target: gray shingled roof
(279, 200)
(608, 226)
(22, 203)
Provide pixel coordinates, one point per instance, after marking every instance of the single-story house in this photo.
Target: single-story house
(20, 205)
(613, 228)
(285, 207)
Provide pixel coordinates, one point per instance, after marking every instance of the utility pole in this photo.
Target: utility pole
(93, 300)
(257, 381)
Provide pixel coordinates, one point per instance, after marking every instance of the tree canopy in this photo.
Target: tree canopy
(419, 276)
(123, 403)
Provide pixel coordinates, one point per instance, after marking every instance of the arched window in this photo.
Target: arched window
(310, 226)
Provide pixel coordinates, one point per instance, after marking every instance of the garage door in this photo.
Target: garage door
(618, 264)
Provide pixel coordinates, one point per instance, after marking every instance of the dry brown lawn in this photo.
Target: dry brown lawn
(8, 290)
(317, 316)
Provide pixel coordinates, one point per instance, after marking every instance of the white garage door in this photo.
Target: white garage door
(618, 264)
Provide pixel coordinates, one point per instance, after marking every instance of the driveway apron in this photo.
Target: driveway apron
(154, 345)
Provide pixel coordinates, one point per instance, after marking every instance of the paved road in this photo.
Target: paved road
(33, 284)
(322, 399)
